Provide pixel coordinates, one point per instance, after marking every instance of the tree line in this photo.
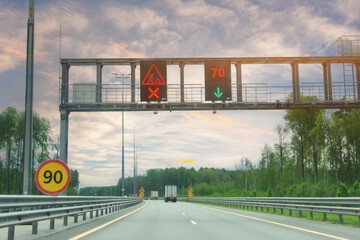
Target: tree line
(11, 143)
(317, 155)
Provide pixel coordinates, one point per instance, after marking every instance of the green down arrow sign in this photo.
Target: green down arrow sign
(218, 93)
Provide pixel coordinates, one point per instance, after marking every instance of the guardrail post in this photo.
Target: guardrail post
(282, 210)
(311, 215)
(84, 216)
(300, 214)
(324, 215)
(341, 219)
(102, 212)
(97, 212)
(11, 233)
(52, 223)
(65, 223)
(75, 218)
(91, 214)
(290, 212)
(359, 220)
(35, 227)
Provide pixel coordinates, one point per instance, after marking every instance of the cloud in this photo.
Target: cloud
(348, 8)
(12, 48)
(165, 28)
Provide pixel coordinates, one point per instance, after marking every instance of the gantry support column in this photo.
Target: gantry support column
(64, 129)
(182, 82)
(357, 69)
(64, 95)
(64, 116)
(239, 82)
(133, 66)
(329, 84)
(99, 82)
(326, 92)
(295, 82)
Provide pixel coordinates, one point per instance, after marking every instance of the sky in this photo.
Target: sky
(165, 29)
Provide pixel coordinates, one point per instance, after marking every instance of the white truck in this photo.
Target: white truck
(154, 195)
(170, 193)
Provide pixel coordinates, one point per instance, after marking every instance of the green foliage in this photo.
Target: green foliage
(268, 193)
(11, 142)
(355, 190)
(342, 190)
(72, 190)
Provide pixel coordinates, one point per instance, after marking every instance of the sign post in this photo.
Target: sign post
(52, 177)
(190, 192)
(141, 192)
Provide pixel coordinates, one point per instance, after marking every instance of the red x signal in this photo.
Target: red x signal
(153, 93)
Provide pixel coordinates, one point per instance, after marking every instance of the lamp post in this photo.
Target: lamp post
(29, 91)
(122, 76)
(135, 126)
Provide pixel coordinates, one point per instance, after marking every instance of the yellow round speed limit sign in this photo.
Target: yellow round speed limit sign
(52, 177)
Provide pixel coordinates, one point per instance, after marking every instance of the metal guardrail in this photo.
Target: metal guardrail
(19, 209)
(340, 206)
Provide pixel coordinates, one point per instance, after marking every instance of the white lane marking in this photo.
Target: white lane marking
(193, 222)
(106, 224)
(276, 223)
(183, 214)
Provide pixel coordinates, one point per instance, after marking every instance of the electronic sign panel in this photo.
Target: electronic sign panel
(217, 80)
(153, 80)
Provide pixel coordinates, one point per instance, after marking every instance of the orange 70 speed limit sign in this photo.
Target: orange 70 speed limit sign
(52, 177)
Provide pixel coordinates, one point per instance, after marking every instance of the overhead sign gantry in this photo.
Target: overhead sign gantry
(220, 92)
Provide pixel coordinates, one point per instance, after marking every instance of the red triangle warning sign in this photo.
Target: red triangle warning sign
(153, 77)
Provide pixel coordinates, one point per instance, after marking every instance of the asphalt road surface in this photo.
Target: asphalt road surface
(170, 221)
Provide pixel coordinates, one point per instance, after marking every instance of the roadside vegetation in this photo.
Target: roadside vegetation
(317, 155)
(11, 149)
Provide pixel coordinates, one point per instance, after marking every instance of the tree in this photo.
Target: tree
(282, 131)
(302, 122)
(7, 134)
(11, 140)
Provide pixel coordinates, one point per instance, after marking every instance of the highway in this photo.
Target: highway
(159, 220)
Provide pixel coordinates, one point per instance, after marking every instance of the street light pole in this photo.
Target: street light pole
(134, 167)
(122, 77)
(27, 174)
(122, 159)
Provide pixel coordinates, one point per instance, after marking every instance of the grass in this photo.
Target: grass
(330, 217)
